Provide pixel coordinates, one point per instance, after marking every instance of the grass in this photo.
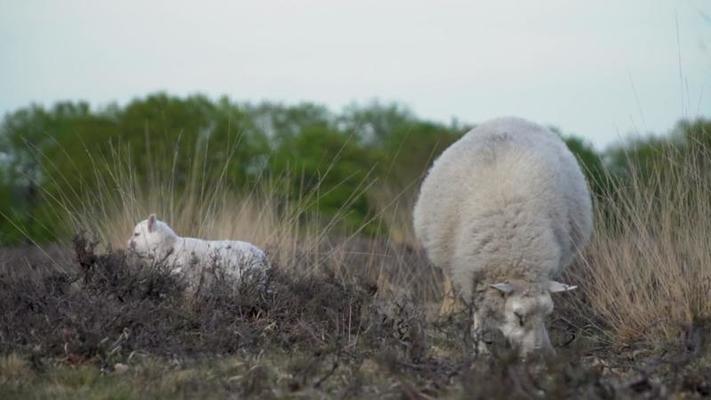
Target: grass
(647, 274)
(347, 315)
(279, 376)
(205, 204)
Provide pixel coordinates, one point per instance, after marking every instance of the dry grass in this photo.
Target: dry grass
(115, 328)
(205, 204)
(13, 368)
(349, 316)
(648, 274)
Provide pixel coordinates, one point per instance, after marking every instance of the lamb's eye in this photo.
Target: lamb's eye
(521, 320)
(136, 234)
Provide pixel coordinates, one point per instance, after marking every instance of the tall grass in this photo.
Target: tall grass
(648, 272)
(203, 202)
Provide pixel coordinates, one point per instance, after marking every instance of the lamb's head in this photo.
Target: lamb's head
(152, 238)
(523, 318)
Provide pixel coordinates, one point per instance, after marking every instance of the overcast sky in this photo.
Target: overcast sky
(600, 69)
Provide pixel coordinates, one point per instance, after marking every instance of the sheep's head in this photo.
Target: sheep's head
(152, 238)
(526, 307)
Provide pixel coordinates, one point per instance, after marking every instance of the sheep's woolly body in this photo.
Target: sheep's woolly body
(232, 254)
(201, 261)
(193, 257)
(507, 201)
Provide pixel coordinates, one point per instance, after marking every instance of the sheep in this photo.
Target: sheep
(503, 211)
(188, 257)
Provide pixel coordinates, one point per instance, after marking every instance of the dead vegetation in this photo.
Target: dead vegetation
(322, 332)
(647, 274)
(350, 316)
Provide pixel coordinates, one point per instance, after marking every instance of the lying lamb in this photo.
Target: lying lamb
(155, 240)
(503, 211)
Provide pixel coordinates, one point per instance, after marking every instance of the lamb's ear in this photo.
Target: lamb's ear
(152, 223)
(504, 287)
(555, 287)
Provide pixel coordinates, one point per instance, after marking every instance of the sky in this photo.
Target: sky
(602, 69)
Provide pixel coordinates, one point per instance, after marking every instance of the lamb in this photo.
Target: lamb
(503, 211)
(155, 240)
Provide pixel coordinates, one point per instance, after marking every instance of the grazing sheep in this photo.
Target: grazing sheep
(154, 239)
(503, 211)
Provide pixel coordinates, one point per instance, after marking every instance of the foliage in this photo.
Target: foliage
(356, 163)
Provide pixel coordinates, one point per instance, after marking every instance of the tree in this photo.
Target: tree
(328, 167)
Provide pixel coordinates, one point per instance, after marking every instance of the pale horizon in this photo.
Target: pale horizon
(601, 71)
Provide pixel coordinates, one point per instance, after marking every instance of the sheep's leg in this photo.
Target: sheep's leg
(449, 299)
(478, 333)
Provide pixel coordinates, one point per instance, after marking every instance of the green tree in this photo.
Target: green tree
(330, 168)
(404, 145)
(591, 163)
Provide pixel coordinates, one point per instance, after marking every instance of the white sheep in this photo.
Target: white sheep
(189, 257)
(503, 211)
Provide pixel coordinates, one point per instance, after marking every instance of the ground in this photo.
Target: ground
(79, 324)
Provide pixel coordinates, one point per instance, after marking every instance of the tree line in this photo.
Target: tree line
(351, 158)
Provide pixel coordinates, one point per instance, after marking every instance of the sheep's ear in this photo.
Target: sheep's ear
(152, 223)
(504, 287)
(555, 287)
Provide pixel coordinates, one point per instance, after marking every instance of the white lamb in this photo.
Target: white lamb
(503, 211)
(155, 240)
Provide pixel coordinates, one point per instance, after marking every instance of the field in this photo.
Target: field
(107, 328)
(352, 315)
(308, 130)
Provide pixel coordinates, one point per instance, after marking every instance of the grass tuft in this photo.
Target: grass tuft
(647, 275)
